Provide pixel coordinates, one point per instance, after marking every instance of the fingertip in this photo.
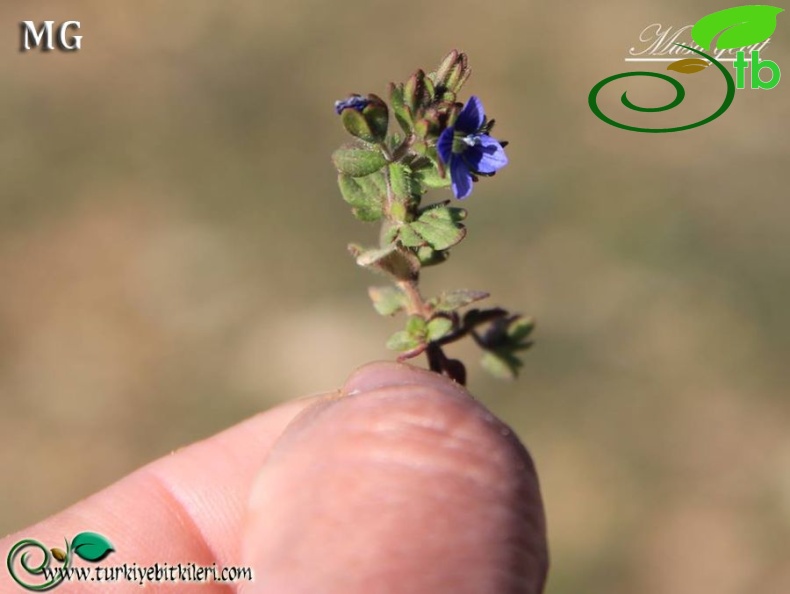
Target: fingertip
(404, 475)
(387, 374)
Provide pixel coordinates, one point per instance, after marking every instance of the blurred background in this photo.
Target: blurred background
(172, 260)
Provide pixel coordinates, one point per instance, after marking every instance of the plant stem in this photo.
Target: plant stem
(437, 360)
(436, 357)
(417, 305)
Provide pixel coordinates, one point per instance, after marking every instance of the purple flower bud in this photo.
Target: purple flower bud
(357, 102)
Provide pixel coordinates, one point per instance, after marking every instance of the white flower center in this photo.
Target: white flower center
(471, 139)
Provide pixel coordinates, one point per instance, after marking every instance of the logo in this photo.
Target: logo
(43, 36)
(89, 546)
(36, 568)
(741, 29)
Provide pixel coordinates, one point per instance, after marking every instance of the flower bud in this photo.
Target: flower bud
(402, 112)
(364, 117)
(446, 66)
(418, 92)
(452, 73)
(434, 121)
(377, 116)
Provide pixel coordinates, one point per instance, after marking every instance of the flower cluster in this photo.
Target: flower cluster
(383, 175)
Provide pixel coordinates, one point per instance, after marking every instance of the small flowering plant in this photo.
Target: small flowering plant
(384, 174)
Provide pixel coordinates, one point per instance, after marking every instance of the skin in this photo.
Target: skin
(398, 482)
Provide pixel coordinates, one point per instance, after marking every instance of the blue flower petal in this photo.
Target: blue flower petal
(471, 117)
(444, 145)
(461, 178)
(357, 102)
(486, 157)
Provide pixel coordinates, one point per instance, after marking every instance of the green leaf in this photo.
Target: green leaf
(440, 227)
(387, 300)
(689, 65)
(507, 333)
(366, 195)
(402, 341)
(91, 546)
(393, 141)
(501, 366)
(389, 233)
(430, 257)
(518, 330)
(410, 338)
(438, 328)
(739, 26)
(392, 260)
(450, 301)
(401, 182)
(416, 326)
(504, 337)
(398, 212)
(430, 177)
(432, 154)
(409, 237)
(358, 161)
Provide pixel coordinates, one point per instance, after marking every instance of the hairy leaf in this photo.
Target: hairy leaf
(438, 328)
(357, 160)
(501, 366)
(387, 300)
(450, 301)
(402, 341)
(392, 260)
(366, 195)
(440, 227)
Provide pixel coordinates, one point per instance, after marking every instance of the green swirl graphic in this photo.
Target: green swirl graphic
(18, 549)
(680, 94)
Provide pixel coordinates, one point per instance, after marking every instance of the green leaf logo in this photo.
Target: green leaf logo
(91, 546)
(736, 27)
(688, 66)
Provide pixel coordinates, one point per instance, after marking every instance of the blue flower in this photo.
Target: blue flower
(357, 102)
(468, 150)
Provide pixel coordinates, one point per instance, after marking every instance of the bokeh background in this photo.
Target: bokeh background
(172, 260)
